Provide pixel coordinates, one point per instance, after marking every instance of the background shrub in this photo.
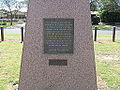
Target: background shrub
(95, 19)
(3, 23)
(110, 17)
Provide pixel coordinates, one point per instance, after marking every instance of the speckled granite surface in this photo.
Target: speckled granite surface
(79, 74)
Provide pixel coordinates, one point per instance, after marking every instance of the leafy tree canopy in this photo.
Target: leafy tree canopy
(108, 5)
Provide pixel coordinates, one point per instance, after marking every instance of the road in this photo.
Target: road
(107, 32)
(16, 29)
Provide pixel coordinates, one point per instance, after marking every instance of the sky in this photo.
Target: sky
(24, 9)
(20, 0)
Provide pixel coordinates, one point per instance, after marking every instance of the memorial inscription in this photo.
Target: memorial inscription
(57, 62)
(58, 35)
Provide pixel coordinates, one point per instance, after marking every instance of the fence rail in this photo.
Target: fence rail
(4, 36)
(113, 34)
(95, 32)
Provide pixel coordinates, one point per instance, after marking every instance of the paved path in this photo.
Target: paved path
(16, 29)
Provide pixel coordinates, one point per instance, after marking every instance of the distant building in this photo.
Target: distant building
(2, 15)
(18, 16)
(94, 12)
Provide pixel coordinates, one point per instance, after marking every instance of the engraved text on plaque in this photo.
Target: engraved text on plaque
(58, 36)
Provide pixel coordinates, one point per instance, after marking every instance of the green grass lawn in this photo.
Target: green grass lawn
(107, 61)
(102, 27)
(10, 56)
(12, 37)
(8, 24)
(107, 38)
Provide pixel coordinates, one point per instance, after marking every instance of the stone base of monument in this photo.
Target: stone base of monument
(102, 85)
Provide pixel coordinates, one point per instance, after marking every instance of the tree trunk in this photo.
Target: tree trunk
(11, 19)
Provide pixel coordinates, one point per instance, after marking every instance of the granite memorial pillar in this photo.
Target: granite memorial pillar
(58, 51)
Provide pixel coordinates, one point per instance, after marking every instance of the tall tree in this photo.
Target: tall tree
(12, 5)
(93, 5)
(108, 5)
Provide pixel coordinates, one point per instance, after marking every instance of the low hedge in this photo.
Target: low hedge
(8, 20)
(95, 20)
(3, 23)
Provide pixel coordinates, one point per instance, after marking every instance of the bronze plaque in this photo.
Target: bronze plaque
(57, 62)
(58, 35)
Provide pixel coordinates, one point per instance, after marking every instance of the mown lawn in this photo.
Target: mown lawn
(10, 56)
(13, 37)
(8, 24)
(108, 38)
(107, 61)
(103, 27)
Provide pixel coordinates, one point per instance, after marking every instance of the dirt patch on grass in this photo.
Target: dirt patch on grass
(108, 57)
(102, 85)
